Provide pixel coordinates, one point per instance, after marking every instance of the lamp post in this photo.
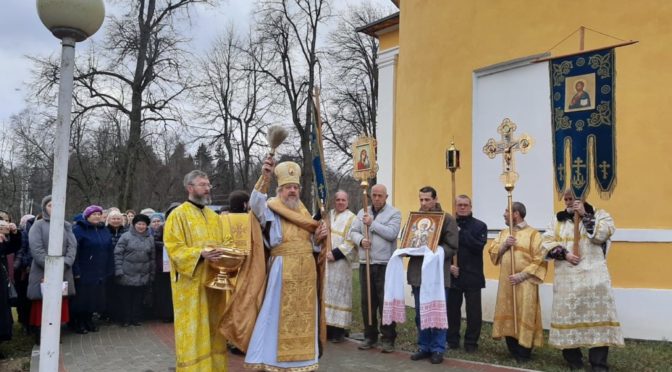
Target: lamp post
(71, 21)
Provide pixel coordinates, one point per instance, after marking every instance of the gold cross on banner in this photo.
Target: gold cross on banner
(578, 180)
(507, 146)
(604, 166)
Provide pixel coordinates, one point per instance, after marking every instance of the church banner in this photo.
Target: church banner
(582, 102)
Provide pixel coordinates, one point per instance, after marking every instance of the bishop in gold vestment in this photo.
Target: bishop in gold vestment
(530, 270)
(285, 334)
(199, 347)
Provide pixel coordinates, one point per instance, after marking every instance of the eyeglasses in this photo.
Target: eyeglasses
(206, 185)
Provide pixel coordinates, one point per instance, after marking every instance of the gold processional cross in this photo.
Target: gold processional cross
(507, 146)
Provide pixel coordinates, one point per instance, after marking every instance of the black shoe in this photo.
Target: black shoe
(338, 340)
(126, 324)
(137, 324)
(367, 344)
(437, 358)
(576, 366)
(90, 326)
(470, 348)
(387, 347)
(81, 330)
(421, 355)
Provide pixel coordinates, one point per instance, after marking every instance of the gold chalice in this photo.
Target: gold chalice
(227, 265)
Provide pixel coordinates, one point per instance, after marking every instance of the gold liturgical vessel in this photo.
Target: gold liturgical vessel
(227, 266)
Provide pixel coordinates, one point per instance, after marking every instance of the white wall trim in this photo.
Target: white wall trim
(385, 132)
(627, 235)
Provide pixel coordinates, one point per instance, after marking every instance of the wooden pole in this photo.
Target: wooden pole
(365, 185)
(509, 189)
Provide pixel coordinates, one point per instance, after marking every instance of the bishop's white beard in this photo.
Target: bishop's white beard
(292, 204)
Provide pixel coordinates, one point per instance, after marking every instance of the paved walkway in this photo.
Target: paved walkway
(150, 348)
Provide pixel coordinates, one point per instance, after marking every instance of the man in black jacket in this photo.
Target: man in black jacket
(468, 278)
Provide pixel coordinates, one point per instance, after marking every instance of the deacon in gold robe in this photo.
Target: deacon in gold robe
(530, 270)
(189, 229)
(584, 310)
(338, 291)
(285, 335)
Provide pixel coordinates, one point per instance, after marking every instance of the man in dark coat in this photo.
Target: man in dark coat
(431, 341)
(468, 278)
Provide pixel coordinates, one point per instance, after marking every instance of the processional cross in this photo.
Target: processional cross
(507, 146)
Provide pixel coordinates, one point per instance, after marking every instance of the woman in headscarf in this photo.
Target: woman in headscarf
(114, 223)
(38, 240)
(134, 268)
(92, 268)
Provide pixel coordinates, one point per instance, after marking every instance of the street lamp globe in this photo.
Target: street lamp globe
(78, 19)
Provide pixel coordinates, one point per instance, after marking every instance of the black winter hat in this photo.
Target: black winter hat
(140, 218)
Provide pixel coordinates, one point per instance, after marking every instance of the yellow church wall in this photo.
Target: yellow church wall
(631, 265)
(443, 42)
(388, 40)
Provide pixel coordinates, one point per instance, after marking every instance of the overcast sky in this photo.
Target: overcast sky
(22, 33)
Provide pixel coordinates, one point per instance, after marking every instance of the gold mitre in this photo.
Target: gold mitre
(288, 172)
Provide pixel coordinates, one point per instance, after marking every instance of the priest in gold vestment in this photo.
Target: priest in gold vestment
(285, 334)
(530, 270)
(198, 344)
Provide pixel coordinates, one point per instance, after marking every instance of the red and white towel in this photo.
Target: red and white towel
(432, 291)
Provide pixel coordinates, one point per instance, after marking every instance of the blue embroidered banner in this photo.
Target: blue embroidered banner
(582, 101)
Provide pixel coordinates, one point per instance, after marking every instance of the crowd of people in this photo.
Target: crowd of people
(113, 269)
(292, 296)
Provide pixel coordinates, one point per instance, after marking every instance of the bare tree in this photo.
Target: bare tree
(353, 82)
(288, 30)
(137, 71)
(233, 101)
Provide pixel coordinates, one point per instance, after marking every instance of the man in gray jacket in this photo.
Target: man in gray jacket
(383, 222)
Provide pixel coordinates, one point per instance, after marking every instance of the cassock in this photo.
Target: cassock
(198, 344)
(584, 312)
(528, 259)
(338, 292)
(238, 226)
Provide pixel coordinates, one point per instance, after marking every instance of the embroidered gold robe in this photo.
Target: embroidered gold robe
(338, 292)
(584, 312)
(198, 344)
(528, 259)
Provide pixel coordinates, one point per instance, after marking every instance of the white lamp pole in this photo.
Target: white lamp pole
(71, 21)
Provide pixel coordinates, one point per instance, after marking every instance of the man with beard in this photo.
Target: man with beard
(584, 310)
(285, 335)
(191, 231)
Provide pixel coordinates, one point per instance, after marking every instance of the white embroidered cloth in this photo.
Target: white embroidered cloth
(432, 291)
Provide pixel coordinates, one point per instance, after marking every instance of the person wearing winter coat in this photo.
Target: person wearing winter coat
(134, 268)
(38, 241)
(10, 242)
(93, 266)
(114, 223)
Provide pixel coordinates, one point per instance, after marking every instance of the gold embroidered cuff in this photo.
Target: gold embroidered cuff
(263, 184)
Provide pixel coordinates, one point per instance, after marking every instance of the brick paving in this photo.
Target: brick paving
(150, 348)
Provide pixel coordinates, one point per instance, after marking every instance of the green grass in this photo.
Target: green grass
(640, 356)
